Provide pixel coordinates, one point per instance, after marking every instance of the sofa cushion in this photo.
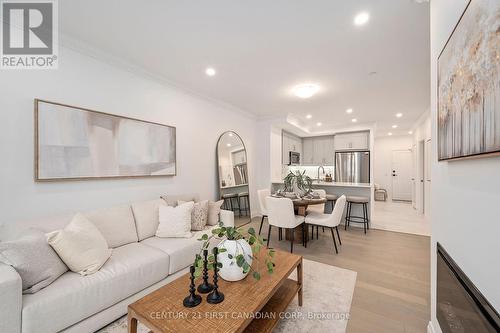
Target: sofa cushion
(182, 251)
(147, 217)
(73, 297)
(116, 224)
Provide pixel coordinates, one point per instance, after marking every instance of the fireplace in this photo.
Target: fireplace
(460, 307)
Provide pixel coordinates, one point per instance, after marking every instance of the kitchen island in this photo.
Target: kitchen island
(338, 188)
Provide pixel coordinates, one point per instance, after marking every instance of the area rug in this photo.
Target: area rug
(327, 298)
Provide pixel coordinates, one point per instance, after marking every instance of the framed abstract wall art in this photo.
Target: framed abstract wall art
(468, 121)
(76, 143)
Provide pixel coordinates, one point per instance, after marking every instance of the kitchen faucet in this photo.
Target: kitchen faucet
(320, 167)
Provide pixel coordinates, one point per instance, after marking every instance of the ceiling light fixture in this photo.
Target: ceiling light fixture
(309, 116)
(231, 134)
(229, 145)
(410, 132)
(399, 115)
(348, 110)
(319, 124)
(389, 134)
(305, 90)
(361, 18)
(210, 71)
(354, 120)
(394, 126)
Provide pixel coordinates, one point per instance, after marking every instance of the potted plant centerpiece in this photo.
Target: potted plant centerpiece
(298, 183)
(236, 253)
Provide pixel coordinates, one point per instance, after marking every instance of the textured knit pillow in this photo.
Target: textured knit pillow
(175, 222)
(199, 214)
(33, 259)
(80, 245)
(214, 211)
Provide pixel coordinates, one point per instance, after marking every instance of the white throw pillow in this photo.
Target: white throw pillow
(175, 221)
(80, 245)
(213, 212)
(199, 214)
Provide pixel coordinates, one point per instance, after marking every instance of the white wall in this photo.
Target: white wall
(382, 158)
(465, 194)
(85, 82)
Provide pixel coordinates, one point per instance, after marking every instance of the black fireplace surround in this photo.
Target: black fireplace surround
(460, 307)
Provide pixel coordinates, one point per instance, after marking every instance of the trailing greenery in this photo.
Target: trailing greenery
(300, 180)
(231, 233)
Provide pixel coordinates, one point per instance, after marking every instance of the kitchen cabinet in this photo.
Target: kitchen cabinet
(239, 157)
(290, 143)
(318, 150)
(352, 141)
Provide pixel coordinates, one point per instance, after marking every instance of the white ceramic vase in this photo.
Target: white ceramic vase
(230, 271)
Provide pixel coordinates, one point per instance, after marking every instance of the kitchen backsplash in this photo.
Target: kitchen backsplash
(311, 171)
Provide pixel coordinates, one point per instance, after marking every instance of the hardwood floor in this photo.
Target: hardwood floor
(392, 292)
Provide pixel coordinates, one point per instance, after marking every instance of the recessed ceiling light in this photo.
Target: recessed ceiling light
(319, 124)
(348, 110)
(230, 134)
(309, 116)
(410, 132)
(229, 145)
(354, 120)
(389, 133)
(210, 71)
(305, 90)
(394, 126)
(361, 18)
(399, 115)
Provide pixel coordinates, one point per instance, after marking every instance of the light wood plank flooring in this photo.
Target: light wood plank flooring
(392, 291)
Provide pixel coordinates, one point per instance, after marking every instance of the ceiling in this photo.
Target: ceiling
(261, 49)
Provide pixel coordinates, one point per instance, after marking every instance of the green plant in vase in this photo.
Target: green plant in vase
(236, 253)
(298, 181)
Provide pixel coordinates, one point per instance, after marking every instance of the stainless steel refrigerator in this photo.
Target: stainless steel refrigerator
(352, 167)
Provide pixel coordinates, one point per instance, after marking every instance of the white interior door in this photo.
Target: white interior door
(402, 168)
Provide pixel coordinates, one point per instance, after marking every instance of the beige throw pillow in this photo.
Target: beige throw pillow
(199, 214)
(175, 221)
(214, 209)
(80, 245)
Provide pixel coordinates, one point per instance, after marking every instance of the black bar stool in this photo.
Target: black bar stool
(330, 199)
(355, 200)
(244, 203)
(229, 199)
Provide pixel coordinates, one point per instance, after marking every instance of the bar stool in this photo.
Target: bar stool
(355, 200)
(244, 202)
(331, 198)
(228, 202)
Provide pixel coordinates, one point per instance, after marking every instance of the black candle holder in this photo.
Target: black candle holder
(205, 287)
(215, 296)
(192, 300)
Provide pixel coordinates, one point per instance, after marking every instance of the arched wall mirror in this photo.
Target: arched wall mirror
(233, 176)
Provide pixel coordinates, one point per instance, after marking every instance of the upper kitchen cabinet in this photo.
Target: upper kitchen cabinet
(290, 143)
(352, 141)
(318, 150)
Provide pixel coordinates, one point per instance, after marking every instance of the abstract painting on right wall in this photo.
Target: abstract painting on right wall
(469, 84)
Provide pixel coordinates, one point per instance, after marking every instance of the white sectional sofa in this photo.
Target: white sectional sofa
(140, 263)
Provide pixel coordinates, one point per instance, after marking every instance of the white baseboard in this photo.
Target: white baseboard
(430, 328)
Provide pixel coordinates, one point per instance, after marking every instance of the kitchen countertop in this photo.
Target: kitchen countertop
(337, 184)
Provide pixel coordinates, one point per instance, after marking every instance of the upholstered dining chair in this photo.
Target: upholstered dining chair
(280, 214)
(263, 194)
(320, 209)
(329, 220)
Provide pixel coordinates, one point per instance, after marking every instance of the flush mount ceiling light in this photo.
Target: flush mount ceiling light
(309, 116)
(210, 71)
(305, 90)
(394, 126)
(348, 111)
(362, 18)
(319, 124)
(389, 134)
(354, 120)
(399, 115)
(410, 132)
(228, 144)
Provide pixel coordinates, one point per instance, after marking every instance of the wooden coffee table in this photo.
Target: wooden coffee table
(249, 305)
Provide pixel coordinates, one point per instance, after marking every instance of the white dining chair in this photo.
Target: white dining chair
(329, 220)
(280, 214)
(262, 195)
(317, 208)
